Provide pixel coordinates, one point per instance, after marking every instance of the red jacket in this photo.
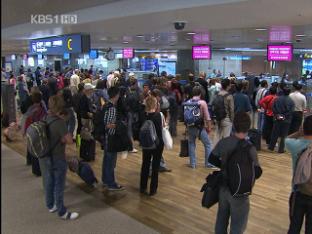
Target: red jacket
(267, 103)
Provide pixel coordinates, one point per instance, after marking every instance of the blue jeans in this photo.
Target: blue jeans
(54, 176)
(231, 207)
(108, 169)
(260, 121)
(193, 133)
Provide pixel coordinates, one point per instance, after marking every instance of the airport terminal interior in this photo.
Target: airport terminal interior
(156, 116)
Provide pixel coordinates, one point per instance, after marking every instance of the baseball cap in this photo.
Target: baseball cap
(89, 86)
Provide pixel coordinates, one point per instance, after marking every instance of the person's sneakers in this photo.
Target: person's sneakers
(210, 166)
(116, 188)
(164, 169)
(70, 216)
(53, 209)
(192, 166)
(152, 193)
(134, 151)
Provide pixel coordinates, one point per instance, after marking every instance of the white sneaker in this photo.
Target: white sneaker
(54, 208)
(70, 216)
(134, 151)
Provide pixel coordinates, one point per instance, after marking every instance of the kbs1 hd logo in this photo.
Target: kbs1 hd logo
(53, 19)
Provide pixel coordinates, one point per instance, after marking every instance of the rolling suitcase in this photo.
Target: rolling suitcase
(35, 167)
(255, 138)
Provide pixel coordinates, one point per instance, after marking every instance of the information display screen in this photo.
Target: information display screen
(201, 52)
(280, 52)
(75, 43)
(93, 54)
(127, 53)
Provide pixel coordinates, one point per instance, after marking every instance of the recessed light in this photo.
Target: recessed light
(125, 42)
(260, 29)
(300, 35)
(191, 33)
(139, 36)
(188, 39)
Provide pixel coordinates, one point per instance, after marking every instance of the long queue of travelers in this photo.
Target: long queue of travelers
(89, 108)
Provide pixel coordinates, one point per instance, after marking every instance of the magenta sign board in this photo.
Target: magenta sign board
(280, 34)
(201, 38)
(201, 52)
(127, 53)
(280, 52)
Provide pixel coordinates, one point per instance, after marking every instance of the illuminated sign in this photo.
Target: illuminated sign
(62, 44)
(280, 34)
(280, 52)
(201, 52)
(127, 53)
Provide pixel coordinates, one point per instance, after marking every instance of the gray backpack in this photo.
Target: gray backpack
(37, 136)
(148, 136)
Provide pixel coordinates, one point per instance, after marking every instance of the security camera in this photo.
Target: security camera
(179, 25)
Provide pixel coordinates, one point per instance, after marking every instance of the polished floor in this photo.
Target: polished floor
(177, 206)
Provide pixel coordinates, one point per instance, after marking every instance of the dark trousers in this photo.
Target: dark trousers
(296, 122)
(173, 123)
(155, 155)
(87, 150)
(300, 206)
(267, 128)
(280, 129)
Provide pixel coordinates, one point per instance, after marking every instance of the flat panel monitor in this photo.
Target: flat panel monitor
(128, 53)
(201, 52)
(280, 52)
(93, 54)
(66, 55)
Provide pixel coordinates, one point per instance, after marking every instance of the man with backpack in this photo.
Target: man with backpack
(223, 110)
(197, 120)
(237, 181)
(300, 146)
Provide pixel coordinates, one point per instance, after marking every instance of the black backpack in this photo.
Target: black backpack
(240, 170)
(98, 122)
(133, 101)
(218, 107)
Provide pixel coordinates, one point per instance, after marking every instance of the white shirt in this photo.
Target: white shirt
(74, 80)
(109, 80)
(299, 100)
(260, 94)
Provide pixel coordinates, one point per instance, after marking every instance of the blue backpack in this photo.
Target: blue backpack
(192, 115)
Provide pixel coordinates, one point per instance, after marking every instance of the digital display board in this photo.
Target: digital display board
(279, 52)
(127, 53)
(201, 52)
(75, 43)
(66, 56)
(93, 54)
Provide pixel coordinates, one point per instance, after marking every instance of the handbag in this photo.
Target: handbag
(184, 149)
(211, 189)
(279, 117)
(168, 142)
(86, 129)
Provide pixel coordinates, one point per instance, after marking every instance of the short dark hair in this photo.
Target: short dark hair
(264, 83)
(239, 86)
(225, 83)
(273, 90)
(196, 91)
(113, 91)
(242, 122)
(36, 97)
(100, 84)
(80, 87)
(286, 91)
(296, 85)
(307, 126)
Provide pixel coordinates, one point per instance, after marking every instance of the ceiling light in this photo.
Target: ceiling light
(260, 29)
(125, 42)
(300, 35)
(191, 33)
(188, 39)
(139, 36)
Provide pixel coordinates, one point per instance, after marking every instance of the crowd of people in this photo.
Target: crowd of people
(88, 108)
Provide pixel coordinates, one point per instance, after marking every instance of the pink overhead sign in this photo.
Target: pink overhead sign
(280, 34)
(127, 53)
(280, 52)
(201, 52)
